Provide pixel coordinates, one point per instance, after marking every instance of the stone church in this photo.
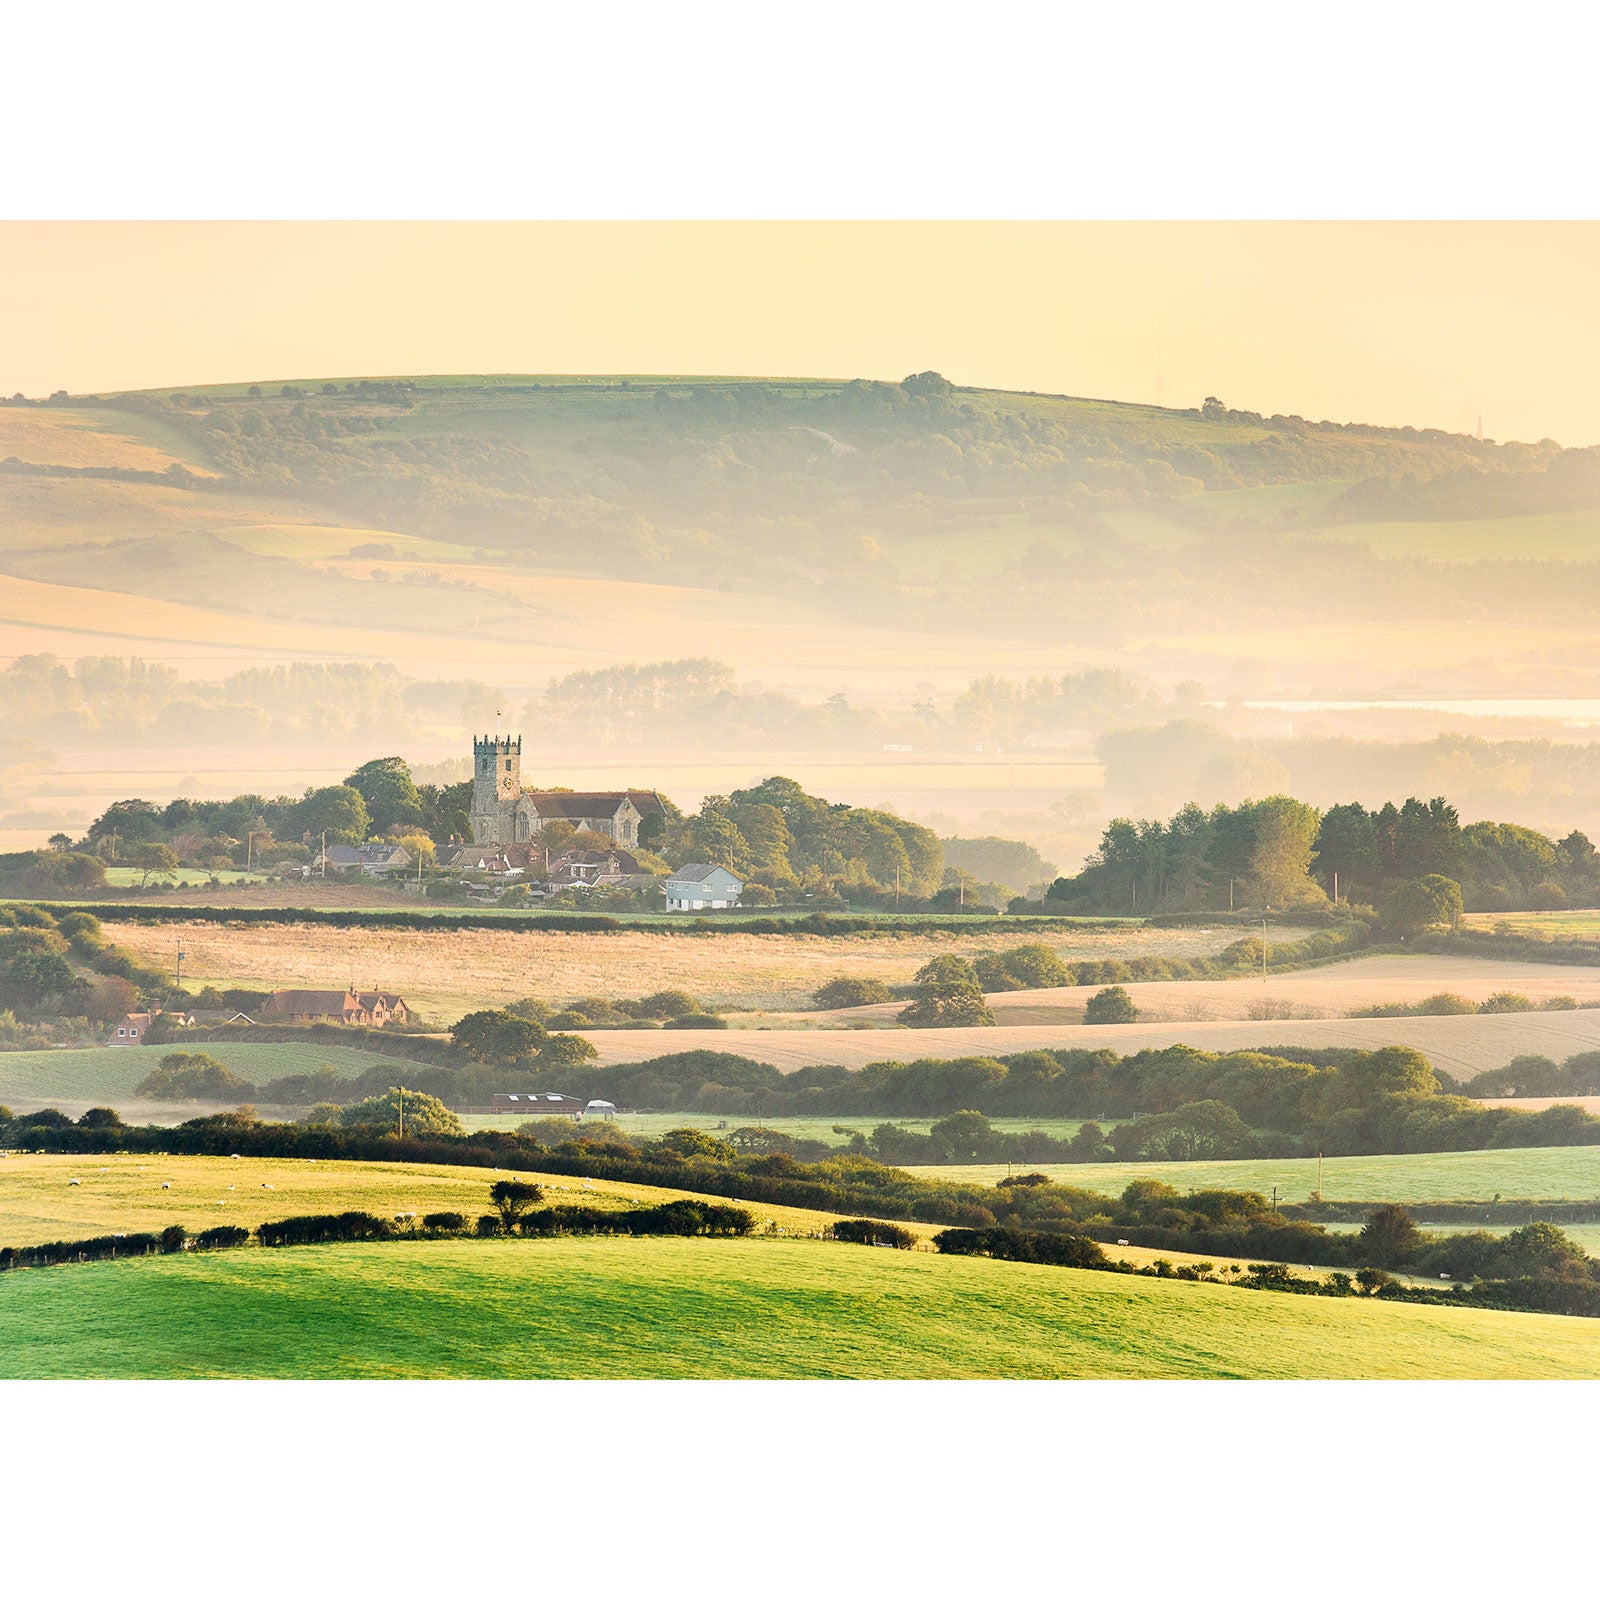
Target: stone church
(503, 812)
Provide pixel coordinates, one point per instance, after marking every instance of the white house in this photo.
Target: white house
(698, 886)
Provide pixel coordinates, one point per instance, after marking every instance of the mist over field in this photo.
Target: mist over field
(994, 613)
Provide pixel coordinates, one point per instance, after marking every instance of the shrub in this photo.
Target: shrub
(1111, 1005)
(696, 1019)
(346, 1226)
(841, 992)
(193, 1076)
(863, 1230)
(665, 1003)
(172, 1239)
(1013, 1244)
(223, 1238)
(1505, 1001)
(487, 1226)
(511, 1199)
(424, 1115)
(444, 1221)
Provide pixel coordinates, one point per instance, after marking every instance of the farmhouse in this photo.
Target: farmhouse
(699, 886)
(131, 1029)
(503, 812)
(378, 860)
(342, 1007)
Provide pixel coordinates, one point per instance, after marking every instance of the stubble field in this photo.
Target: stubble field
(1318, 993)
(444, 974)
(1462, 1046)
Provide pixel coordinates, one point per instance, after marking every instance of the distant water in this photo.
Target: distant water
(1583, 713)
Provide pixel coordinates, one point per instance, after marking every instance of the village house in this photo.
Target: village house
(498, 860)
(377, 860)
(699, 886)
(504, 812)
(348, 1008)
(591, 868)
(131, 1029)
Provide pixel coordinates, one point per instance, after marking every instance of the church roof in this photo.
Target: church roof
(591, 802)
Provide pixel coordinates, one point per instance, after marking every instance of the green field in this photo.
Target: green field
(109, 1075)
(758, 1308)
(1562, 1173)
(1558, 924)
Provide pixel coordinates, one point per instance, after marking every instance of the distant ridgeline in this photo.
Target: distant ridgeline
(832, 489)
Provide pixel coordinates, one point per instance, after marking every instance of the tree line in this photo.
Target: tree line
(1283, 853)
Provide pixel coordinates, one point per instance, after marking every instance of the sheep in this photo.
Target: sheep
(72, 1183)
(166, 1186)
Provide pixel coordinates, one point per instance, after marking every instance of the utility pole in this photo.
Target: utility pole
(177, 975)
(249, 841)
(1264, 947)
(396, 1089)
(1230, 897)
(1336, 886)
(324, 855)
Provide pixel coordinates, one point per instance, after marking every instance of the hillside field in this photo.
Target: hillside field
(1561, 1173)
(758, 1308)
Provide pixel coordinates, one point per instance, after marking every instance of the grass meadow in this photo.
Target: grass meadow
(754, 1308)
(1562, 1173)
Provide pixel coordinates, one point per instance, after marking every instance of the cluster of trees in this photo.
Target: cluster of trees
(1282, 853)
(1538, 1076)
(1534, 1268)
(785, 844)
(60, 967)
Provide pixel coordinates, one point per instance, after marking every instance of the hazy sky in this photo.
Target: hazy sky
(1421, 323)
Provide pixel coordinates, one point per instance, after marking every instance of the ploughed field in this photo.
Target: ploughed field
(690, 1308)
(444, 974)
(1316, 993)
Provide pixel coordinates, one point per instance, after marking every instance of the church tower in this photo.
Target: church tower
(496, 788)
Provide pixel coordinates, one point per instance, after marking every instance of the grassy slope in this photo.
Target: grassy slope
(620, 1308)
(1554, 1174)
